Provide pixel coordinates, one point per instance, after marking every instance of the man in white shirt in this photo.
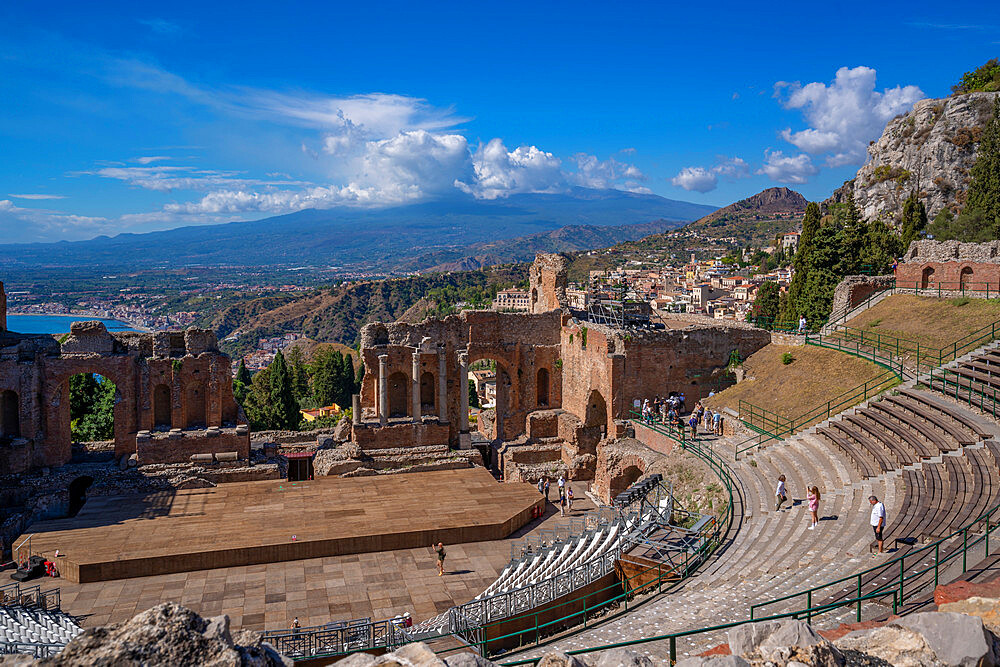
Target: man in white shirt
(877, 520)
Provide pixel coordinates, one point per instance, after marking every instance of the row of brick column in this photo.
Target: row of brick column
(382, 403)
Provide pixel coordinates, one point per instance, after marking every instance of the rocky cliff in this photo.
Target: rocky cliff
(930, 150)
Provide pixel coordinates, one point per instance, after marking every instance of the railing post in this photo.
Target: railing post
(965, 549)
(673, 650)
(809, 606)
(859, 598)
(937, 559)
(902, 569)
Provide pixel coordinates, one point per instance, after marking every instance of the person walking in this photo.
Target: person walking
(562, 502)
(541, 484)
(562, 484)
(716, 422)
(813, 498)
(803, 325)
(546, 488)
(877, 520)
(440, 554)
(569, 498)
(779, 493)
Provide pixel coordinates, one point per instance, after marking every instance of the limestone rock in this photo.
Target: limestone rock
(929, 638)
(783, 642)
(467, 660)
(714, 661)
(559, 659)
(930, 150)
(342, 433)
(987, 609)
(620, 657)
(167, 634)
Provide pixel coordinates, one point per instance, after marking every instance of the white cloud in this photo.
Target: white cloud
(844, 115)
(697, 179)
(163, 178)
(32, 224)
(603, 174)
(37, 196)
(783, 168)
(702, 179)
(150, 159)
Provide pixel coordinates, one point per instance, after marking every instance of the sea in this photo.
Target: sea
(56, 324)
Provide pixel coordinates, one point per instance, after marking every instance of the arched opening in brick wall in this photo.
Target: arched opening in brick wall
(398, 394)
(427, 391)
(966, 277)
(926, 277)
(10, 415)
(627, 478)
(497, 397)
(92, 407)
(542, 387)
(534, 297)
(161, 407)
(597, 411)
(194, 401)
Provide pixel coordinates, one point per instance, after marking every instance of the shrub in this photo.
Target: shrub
(787, 358)
(960, 301)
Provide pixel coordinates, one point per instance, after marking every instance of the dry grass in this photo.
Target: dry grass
(927, 320)
(816, 376)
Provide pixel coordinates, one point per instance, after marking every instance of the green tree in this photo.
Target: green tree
(83, 388)
(348, 381)
(473, 395)
(765, 305)
(914, 219)
(882, 245)
(95, 404)
(983, 197)
(283, 409)
(324, 375)
(985, 78)
(241, 384)
(811, 223)
(298, 373)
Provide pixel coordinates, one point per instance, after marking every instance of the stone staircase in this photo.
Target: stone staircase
(774, 553)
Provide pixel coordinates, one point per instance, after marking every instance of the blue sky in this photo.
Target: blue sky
(128, 117)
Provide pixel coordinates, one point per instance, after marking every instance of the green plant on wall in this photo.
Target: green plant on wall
(583, 337)
(558, 364)
(177, 365)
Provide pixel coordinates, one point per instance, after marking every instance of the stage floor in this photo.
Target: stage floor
(239, 524)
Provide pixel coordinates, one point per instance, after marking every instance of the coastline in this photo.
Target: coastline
(82, 317)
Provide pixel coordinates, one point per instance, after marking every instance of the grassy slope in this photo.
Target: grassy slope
(816, 376)
(927, 320)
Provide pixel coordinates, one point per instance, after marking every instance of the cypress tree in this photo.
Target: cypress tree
(914, 219)
(983, 198)
(811, 223)
(349, 389)
(284, 410)
(242, 374)
(323, 379)
(241, 384)
(299, 374)
(358, 377)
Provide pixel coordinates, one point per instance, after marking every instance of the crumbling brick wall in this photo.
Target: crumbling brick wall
(186, 368)
(547, 282)
(950, 265)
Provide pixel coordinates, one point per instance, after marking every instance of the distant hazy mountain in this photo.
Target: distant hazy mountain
(416, 236)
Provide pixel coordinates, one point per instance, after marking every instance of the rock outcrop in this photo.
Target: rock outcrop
(930, 150)
(167, 634)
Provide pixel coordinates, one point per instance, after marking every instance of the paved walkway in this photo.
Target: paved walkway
(318, 590)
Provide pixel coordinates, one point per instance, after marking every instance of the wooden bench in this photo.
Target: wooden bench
(862, 463)
(914, 424)
(956, 415)
(982, 378)
(934, 483)
(960, 435)
(871, 447)
(900, 438)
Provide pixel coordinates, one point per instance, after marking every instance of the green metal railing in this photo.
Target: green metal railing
(675, 431)
(943, 288)
(781, 326)
(963, 389)
(895, 350)
(772, 426)
(841, 313)
(897, 584)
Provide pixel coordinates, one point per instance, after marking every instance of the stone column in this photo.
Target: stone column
(442, 384)
(415, 384)
(383, 389)
(463, 379)
(356, 408)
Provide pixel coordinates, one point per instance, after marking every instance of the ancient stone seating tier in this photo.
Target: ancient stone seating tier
(980, 373)
(900, 430)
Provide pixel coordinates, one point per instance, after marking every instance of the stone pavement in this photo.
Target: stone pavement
(318, 590)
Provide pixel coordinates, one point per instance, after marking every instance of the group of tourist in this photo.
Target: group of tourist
(668, 411)
(877, 518)
(565, 493)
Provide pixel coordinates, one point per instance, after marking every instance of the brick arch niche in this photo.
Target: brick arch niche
(10, 415)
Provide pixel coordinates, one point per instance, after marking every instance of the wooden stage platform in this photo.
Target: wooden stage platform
(116, 537)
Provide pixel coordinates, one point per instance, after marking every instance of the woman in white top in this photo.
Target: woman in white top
(779, 493)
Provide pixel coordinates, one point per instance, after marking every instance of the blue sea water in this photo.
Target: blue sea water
(56, 324)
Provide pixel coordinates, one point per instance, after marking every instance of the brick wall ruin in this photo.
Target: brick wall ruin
(950, 265)
(563, 385)
(176, 382)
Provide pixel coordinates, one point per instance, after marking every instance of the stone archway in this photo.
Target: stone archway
(508, 399)
(597, 410)
(542, 388)
(427, 392)
(194, 401)
(926, 277)
(398, 394)
(10, 415)
(626, 478)
(966, 278)
(162, 409)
